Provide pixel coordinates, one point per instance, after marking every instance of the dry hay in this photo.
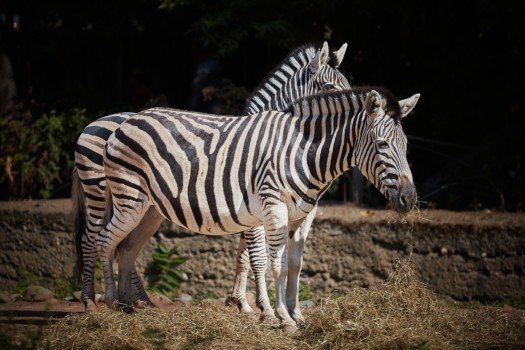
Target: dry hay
(398, 314)
(403, 314)
(193, 327)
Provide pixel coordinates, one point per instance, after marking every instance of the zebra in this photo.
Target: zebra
(218, 175)
(305, 70)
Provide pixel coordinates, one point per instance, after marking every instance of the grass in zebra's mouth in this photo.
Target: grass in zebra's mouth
(401, 313)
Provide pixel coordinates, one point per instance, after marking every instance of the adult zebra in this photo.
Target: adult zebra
(222, 175)
(305, 70)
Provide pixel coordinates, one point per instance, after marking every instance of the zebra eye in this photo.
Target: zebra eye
(329, 86)
(382, 144)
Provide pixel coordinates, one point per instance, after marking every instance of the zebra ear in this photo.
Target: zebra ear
(320, 58)
(408, 104)
(373, 104)
(339, 55)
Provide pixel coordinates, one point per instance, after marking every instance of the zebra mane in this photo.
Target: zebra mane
(303, 54)
(392, 103)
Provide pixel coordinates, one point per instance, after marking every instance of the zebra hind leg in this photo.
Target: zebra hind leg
(256, 242)
(238, 294)
(90, 256)
(130, 289)
(121, 219)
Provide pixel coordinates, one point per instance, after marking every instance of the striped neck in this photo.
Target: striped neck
(271, 93)
(331, 122)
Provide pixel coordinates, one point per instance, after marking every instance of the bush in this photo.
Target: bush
(37, 151)
(164, 275)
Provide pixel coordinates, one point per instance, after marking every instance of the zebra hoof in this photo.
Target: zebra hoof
(289, 328)
(270, 320)
(90, 306)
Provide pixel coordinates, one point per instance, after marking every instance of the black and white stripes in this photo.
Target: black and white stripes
(306, 70)
(222, 174)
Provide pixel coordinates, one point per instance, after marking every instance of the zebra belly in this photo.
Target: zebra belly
(218, 221)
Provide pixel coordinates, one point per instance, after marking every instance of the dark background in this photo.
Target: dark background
(465, 57)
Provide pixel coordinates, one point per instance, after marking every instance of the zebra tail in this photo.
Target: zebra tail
(108, 211)
(79, 219)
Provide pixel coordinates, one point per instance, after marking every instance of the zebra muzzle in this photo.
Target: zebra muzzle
(404, 200)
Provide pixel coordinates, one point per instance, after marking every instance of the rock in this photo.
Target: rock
(16, 297)
(185, 298)
(99, 297)
(77, 295)
(37, 293)
(159, 299)
(5, 298)
(218, 302)
(444, 251)
(306, 304)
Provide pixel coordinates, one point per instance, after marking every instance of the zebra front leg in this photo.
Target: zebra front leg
(130, 288)
(276, 226)
(238, 294)
(296, 243)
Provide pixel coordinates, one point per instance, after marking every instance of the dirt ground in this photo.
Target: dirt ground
(342, 212)
(22, 319)
(19, 317)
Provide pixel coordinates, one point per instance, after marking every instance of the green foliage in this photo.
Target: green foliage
(515, 303)
(164, 275)
(225, 24)
(62, 288)
(304, 294)
(36, 152)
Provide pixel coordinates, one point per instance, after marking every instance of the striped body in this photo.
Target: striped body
(306, 70)
(210, 181)
(222, 174)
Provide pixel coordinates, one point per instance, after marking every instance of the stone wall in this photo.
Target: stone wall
(463, 256)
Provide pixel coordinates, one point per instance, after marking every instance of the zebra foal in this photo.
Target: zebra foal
(307, 69)
(221, 174)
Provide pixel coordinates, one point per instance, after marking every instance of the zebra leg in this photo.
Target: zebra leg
(89, 258)
(130, 287)
(125, 217)
(275, 218)
(295, 260)
(256, 242)
(252, 253)
(238, 294)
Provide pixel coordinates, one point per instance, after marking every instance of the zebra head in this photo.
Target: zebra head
(307, 70)
(323, 72)
(381, 147)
